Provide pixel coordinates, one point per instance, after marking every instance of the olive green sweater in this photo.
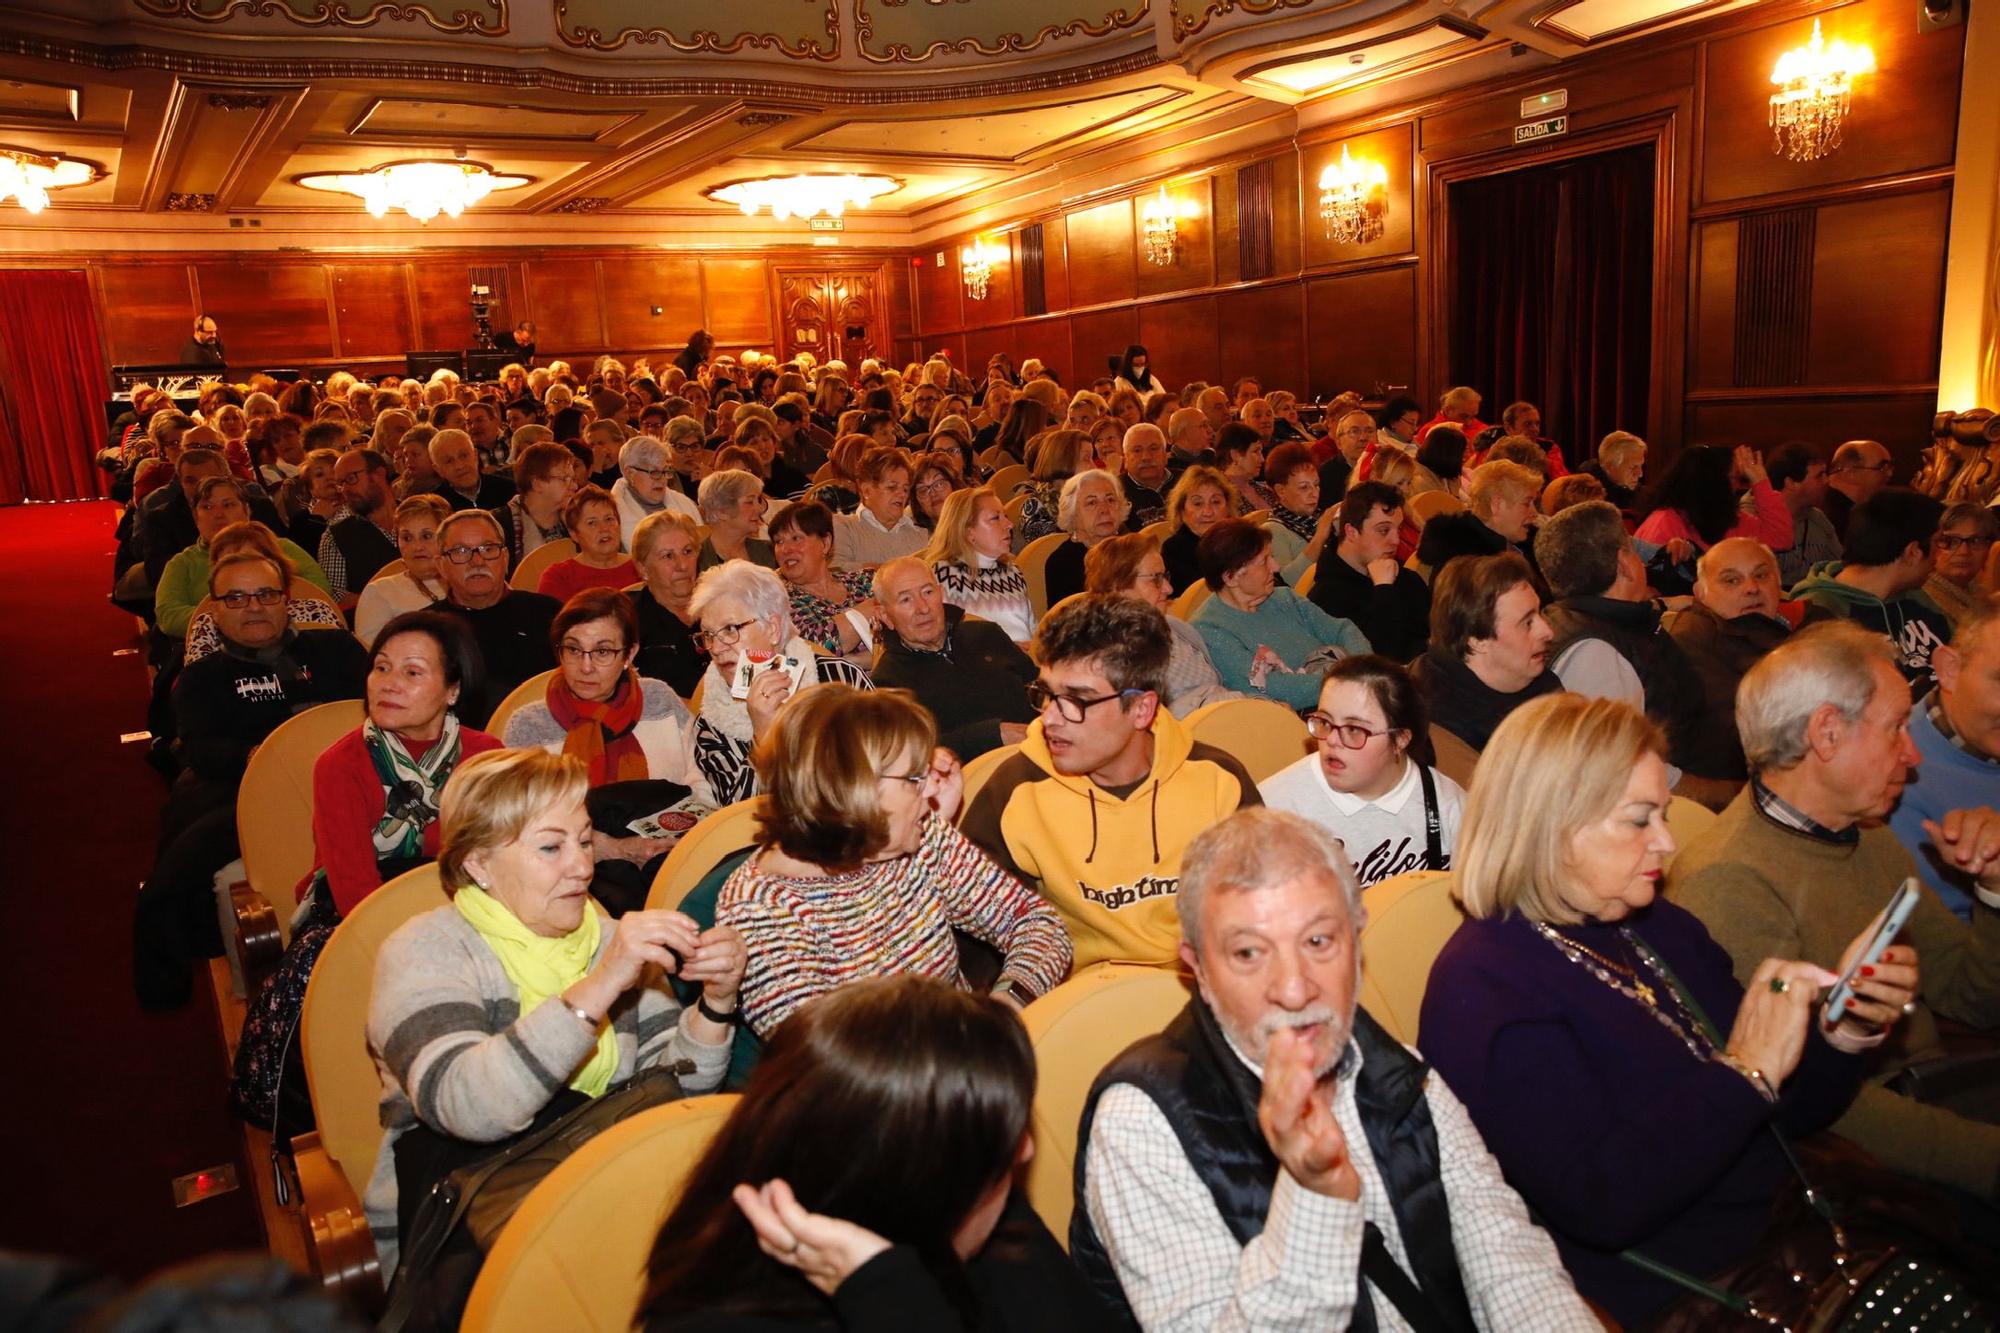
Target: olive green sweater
(1765, 891)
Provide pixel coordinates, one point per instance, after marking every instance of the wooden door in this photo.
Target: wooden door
(833, 314)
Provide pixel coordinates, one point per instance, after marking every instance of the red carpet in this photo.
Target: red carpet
(104, 1104)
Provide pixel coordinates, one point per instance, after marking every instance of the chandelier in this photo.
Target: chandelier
(1354, 200)
(975, 265)
(421, 189)
(804, 196)
(1161, 229)
(27, 177)
(1814, 81)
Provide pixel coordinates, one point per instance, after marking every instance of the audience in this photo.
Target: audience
(1130, 566)
(1621, 466)
(1959, 549)
(968, 672)
(1108, 787)
(1265, 639)
(1275, 1159)
(1501, 509)
(1956, 730)
(1489, 647)
(732, 505)
(183, 580)
(511, 627)
(1860, 468)
(1701, 500)
(880, 528)
(363, 539)
(1201, 498)
(970, 553)
(460, 479)
(831, 608)
(1878, 584)
(1299, 528)
(1093, 509)
(644, 487)
(665, 550)
(1359, 579)
(1798, 474)
(419, 583)
(1734, 619)
(1362, 783)
(1144, 480)
(1643, 1128)
(590, 517)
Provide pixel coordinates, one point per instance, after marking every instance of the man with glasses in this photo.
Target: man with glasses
(1860, 468)
(645, 484)
(204, 344)
(358, 543)
(510, 626)
(1108, 788)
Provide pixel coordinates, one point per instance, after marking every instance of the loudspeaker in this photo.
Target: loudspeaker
(1935, 14)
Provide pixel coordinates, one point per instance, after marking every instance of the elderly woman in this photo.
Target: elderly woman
(666, 551)
(376, 789)
(1239, 456)
(833, 609)
(645, 486)
(971, 556)
(932, 480)
(1363, 782)
(418, 584)
(515, 1003)
(1655, 1075)
(951, 437)
(1059, 455)
(1130, 566)
(1299, 528)
(1265, 639)
(309, 500)
(732, 505)
(880, 528)
(1621, 465)
(860, 871)
(591, 516)
(1198, 501)
(745, 618)
(1959, 549)
(544, 480)
(1092, 508)
(218, 504)
(1107, 446)
(1440, 463)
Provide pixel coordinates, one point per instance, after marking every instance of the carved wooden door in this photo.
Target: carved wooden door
(833, 315)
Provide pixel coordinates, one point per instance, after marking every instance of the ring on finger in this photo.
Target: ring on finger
(1779, 985)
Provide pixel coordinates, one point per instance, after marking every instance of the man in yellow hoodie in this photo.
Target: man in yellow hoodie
(1108, 787)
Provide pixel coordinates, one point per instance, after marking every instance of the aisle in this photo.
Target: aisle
(105, 1105)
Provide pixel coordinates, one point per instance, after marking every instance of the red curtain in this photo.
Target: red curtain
(1553, 293)
(53, 382)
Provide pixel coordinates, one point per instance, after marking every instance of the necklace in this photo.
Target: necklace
(1609, 971)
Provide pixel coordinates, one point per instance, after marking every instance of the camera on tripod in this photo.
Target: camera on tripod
(482, 313)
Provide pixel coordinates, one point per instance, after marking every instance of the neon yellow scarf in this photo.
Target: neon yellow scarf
(541, 967)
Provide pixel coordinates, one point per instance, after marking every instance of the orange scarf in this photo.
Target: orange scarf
(601, 731)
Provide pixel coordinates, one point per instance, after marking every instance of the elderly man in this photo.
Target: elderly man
(1860, 469)
(1524, 419)
(1458, 407)
(511, 627)
(488, 434)
(1108, 787)
(362, 540)
(1621, 465)
(1489, 646)
(1352, 435)
(1880, 583)
(1192, 439)
(1090, 507)
(1145, 479)
(645, 486)
(972, 677)
(1733, 621)
(1274, 1159)
(460, 481)
(1797, 867)
(1956, 729)
(1214, 403)
(1360, 579)
(1504, 504)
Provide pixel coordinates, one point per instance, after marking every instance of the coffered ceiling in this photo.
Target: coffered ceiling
(631, 109)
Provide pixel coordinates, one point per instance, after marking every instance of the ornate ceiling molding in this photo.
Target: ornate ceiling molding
(603, 25)
(1187, 25)
(190, 203)
(1005, 43)
(342, 13)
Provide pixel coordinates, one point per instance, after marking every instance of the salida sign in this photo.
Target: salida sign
(1541, 129)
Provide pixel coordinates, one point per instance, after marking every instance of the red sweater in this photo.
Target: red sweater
(566, 578)
(347, 805)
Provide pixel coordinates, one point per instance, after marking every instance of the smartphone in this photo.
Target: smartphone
(1894, 917)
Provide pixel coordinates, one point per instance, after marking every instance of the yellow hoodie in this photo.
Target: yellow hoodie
(1110, 863)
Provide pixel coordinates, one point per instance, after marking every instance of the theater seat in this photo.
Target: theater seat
(1304, 586)
(1452, 756)
(1034, 563)
(530, 691)
(1190, 600)
(390, 570)
(1688, 819)
(1261, 734)
(274, 829)
(1429, 504)
(1077, 1029)
(335, 1162)
(574, 1256)
(1008, 480)
(1258, 516)
(527, 575)
(1159, 532)
(1410, 916)
(730, 829)
(978, 770)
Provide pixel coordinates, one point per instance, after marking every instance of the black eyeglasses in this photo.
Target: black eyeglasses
(1070, 707)
(236, 601)
(602, 656)
(656, 473)
(462, 555)
(723, 636)
(1352, 734)
(1951, 541)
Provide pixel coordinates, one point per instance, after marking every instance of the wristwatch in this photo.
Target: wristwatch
(1011, 990)
(715, 1015)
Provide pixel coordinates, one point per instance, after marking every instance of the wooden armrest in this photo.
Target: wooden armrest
(335, 1230)
(258, 941)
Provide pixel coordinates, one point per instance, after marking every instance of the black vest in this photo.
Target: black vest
(1210, 1098)
(1674, 696)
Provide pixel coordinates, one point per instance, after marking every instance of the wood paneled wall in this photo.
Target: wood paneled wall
(366, 313)
(1791, 299)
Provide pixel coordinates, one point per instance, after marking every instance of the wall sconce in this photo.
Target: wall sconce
(1814, 81)
(1161, 229)
(975, 265)
(1354, 200)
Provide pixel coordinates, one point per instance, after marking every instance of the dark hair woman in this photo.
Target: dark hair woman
(790, 1220)
(1026, 418)
(1134, 370)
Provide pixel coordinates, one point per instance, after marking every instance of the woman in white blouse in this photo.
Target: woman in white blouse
(419, 583)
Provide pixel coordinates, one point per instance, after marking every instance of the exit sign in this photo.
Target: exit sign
(1541, 129)
(826, 224)
(1541, 104)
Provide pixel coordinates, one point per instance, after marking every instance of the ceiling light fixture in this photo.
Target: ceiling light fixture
(27, 176)
(1354, 200)
(1814, 82)
(807, 195)
(975, 265)
(1161, 228)
(421, 189)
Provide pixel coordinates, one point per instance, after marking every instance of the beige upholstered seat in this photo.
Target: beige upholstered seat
(700, 850)
(275, 803)
(574, 1256)
(530, 691)
(1453, 757)
(1410, 916)
(1190, 600)
(1304, 586)
(1034, 562)
(1077, 1029)
(1428, 505)
(1008, 480)
(390, 570)
(1687, 819)
(527, 576)
(1262, 734)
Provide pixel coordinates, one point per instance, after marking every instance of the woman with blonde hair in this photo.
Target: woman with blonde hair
(515, 1003)
(1201, 498)
(1058, 456)
(1657, 1078)
(419, 583)
(971, 554)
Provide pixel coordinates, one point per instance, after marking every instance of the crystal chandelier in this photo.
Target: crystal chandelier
(975, 265)
(27, 177)
(421, 189)
(1814, 81)
(804, 196)
(1161, 229)
(1354, 200)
